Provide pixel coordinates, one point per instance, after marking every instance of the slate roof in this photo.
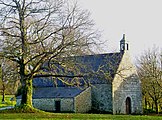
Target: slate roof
(55, 92)
(43, 82)
(99, 64)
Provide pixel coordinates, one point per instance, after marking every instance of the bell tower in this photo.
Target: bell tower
(124, 46)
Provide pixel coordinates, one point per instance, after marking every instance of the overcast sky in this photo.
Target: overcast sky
(140, 20)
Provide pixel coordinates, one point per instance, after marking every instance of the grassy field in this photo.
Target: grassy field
(7, 101)
(66, 116)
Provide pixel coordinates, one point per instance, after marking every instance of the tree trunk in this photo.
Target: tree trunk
(3, 86)
(145, 103)
(152, 106)
(3, 93)
(26, 82)
(156, 106)
(27, 93)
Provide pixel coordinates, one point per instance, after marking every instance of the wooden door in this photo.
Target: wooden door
(57, 106)
(128, 105)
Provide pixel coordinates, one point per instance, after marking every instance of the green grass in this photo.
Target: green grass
(67, 116)
(72, 116)
(7, 101)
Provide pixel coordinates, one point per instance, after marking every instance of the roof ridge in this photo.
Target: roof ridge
(98, 54)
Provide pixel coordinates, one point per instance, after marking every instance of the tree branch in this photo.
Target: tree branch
(65, 76)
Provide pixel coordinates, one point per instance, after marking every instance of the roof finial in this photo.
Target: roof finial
(123, 36)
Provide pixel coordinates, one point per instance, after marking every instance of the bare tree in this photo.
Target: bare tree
(9, 77)
(150, 71)
(34, 31)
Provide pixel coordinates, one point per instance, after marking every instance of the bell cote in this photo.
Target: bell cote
(124, 46)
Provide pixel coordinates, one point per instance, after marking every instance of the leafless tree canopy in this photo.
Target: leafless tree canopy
(34, 31)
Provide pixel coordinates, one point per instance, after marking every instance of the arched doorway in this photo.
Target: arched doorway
(128, 105)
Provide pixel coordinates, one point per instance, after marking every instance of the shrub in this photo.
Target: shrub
(147, 111)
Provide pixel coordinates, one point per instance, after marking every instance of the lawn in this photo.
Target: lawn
(67, 116)
(72, 116)
(7, 101)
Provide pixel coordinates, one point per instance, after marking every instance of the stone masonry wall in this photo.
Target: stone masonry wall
(83, 101)
(126, 84)
(102, 98)
(48, 104)
(67, 105)
(44, 104)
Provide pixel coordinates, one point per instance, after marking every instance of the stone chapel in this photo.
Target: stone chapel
(115, 89)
